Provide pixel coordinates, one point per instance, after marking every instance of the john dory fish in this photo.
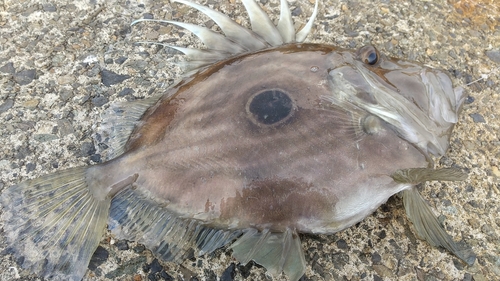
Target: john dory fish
(265, 138)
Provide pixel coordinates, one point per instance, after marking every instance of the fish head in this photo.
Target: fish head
(418, 101)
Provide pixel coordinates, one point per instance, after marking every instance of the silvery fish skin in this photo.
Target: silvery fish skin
(264, 138)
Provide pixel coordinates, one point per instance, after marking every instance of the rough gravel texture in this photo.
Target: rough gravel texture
(63, 62)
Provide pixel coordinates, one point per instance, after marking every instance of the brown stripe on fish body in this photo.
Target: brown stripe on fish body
(276, 204)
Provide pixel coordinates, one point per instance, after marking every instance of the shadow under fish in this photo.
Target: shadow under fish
(266, 137)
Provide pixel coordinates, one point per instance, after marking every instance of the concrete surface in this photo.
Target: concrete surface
(54, 58)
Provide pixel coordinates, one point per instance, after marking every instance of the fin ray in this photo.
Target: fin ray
(231, 29)
(302, 34)
(211, 39)
(261, 24)
(285, 23)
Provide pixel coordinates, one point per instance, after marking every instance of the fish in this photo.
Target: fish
(265, 137)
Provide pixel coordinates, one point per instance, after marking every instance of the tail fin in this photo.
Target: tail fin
(54, 224)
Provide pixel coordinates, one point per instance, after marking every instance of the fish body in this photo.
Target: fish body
(267, 138)
(214, 160)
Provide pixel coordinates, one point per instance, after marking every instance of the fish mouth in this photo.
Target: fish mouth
(418, 101)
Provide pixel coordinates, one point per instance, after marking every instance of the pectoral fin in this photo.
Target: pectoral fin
(428, 227)
(419, 175)
(277, 252)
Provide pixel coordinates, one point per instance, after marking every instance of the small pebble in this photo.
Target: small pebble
(494, 55)
(477, 118)
(25, 77)
(99, 257)
(109, 78)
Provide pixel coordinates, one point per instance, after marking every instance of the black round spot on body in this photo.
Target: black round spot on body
(271, 106)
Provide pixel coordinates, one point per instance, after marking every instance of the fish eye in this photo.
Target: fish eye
(372, 58)
(270, 107)
(368, 55)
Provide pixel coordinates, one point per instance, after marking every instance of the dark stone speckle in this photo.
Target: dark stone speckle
(126, 268)
(165, 276)
(121, 60)
(297, 11)
(8, 68)
(139, 248)
(477, 118)
(22, 152)
(122, 245)
(30, 167)
(376, 258)
(342, 244)
(96, 158)
(44, 137)
(155, 266)
(245, 269)
(467, 277)
(148, 16)
(229, 273)
(6, 105)
(24, 77)
(458, 264)
(109, 78)
(99, 101)
(494, 55)
(99, 257)
(339, 260)
(488, 230)
(126, 92)
(87, 149)
(49, 7)
(469, 100)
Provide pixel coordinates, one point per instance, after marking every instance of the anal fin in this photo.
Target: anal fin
(428, 227)
(276, 251)
(168, 236)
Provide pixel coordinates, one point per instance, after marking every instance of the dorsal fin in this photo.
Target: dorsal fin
(237, 39)
(120, 119)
